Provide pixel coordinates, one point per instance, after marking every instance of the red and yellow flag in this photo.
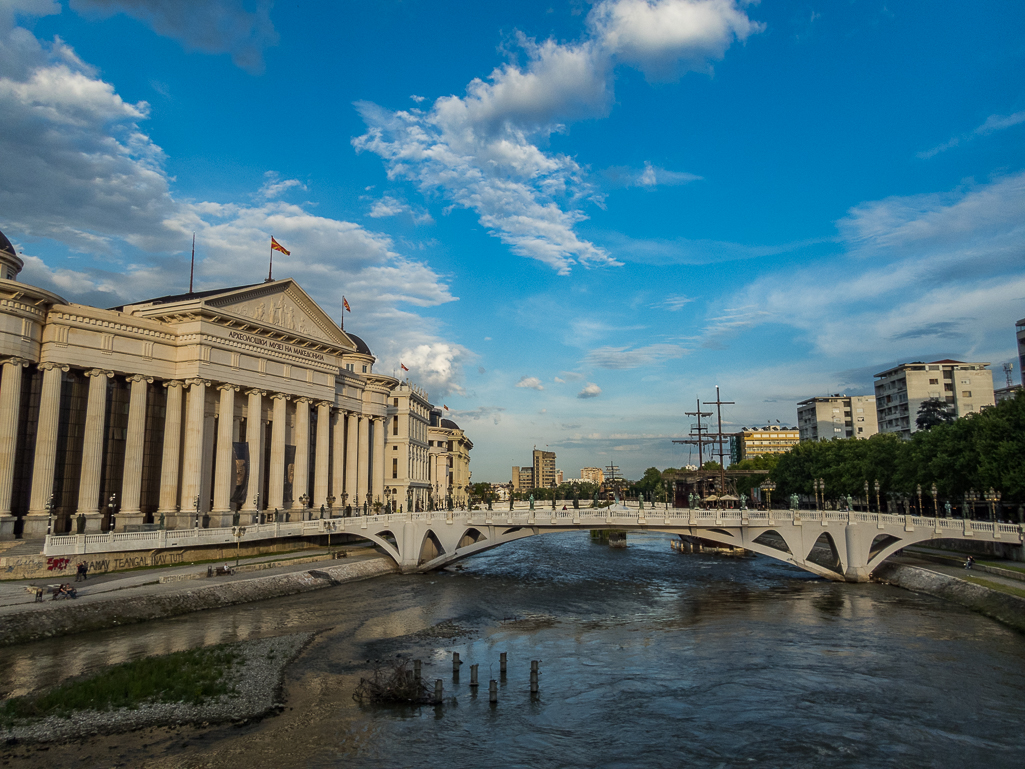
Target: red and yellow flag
(278, 247)
(403, 366)
(345, 304)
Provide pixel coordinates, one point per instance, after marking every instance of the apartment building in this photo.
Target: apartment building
(837, 416)
(754, 442)
(901, 391)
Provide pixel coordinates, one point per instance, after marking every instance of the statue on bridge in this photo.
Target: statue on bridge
(531, 501)
(795, 502)
(743, 501)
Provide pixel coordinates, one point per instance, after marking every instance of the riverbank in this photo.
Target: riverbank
(256, 679)
(145, 597)
(1005, 607)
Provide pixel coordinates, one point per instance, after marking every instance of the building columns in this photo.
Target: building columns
(321, 473)
(169, 465)
(192, 459)
(338, 458)
(363, 469)
(352, 461)
(224, 480)
(10, 409)
(92, 449)
(276, 491)
(254, 436)
(45, 456)
(131, 485)
(301, 478)
(378, 464)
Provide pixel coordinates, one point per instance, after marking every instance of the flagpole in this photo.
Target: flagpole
(192, 268)
(270, 269)
(341, 323)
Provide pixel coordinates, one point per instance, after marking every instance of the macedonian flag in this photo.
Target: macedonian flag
(278, 247)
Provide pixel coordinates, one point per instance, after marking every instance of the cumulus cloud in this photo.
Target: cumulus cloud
(390, 206)
(210, 26)
(591, 390)
(621, 358)
(483, 151)
(489, 413)
(80, 170)
(531, 382)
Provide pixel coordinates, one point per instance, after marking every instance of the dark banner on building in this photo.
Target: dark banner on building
(240, 457)
(289, 474)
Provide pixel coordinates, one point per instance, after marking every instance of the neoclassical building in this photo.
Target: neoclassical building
(187, 409)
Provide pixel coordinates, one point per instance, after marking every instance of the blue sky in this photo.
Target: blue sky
(568, 219)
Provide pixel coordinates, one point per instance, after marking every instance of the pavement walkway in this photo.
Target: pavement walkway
(1005, 574)
(15, 595)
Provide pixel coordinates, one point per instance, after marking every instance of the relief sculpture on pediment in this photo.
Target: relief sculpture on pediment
(281, 312)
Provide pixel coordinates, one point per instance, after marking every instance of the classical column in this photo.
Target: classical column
(378, 488)
(363, 469)
(45, 455)
(192, 456)
(92, 448)
(301, 481)
(171, 457)
(338, 458)
(352, 460)
(254, 435)
(320, 472)
(276, 492)
(10, 409)
(131, 485)
(224, 480)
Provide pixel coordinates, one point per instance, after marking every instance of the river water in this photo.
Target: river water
(649, 658)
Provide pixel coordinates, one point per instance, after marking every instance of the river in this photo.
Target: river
(649, 658)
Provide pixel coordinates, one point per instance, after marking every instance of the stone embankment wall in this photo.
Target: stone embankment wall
(80, 616)
(1005, 608)
(39, 566)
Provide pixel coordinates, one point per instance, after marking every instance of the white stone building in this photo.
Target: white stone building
(837, 416)
(901, 391)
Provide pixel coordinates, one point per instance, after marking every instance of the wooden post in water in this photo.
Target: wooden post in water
(473, 676)
(493, 692)
(455, 662)
(503, 660)
(438, 691)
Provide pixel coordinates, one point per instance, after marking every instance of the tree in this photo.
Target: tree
(934, 412)
(649, 482)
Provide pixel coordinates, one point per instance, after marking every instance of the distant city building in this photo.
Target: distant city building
(406, 450)
(558, 477)
(544, 468)
(1019, 329)
(837, 416)
(522, 478)
(449, 460)
(900, 391)
(593, 475)
(1005, 393)
(755, 442)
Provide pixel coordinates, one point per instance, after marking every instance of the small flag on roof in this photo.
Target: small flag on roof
(278, 247)
(445, 407)
(403, 366)
(345, 304)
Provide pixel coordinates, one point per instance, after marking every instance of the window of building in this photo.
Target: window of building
(966, 381)
(364, 369)
(934, 381)
(966, 393)
(949, 387)
(395, 402)
(861, 411)
(395, 426)
(395, 468)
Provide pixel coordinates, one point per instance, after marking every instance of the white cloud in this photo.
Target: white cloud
(210, 26)
(650, 176)
(621, 358)
(390, 206)
(559, 380)
(275, 187)
(591, 390)
(676, 303)
(992, 124)
(531, 382)
(482, 151)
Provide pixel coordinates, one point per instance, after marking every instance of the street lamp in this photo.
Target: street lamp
(197, 511)
(935, 501)
(387, 499)
(822, 490)
(993, 497)
(868, 504)
(768, 487)
(256, 507)
(49, 515)
(110, 511)
(815, 485)
(879, 507)
(330, 505)
(239, 532)
(304, 500)
(918, 489)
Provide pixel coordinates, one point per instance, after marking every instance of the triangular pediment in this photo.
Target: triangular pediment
(282, 307)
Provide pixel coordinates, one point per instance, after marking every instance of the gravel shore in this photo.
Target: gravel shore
(257, 683)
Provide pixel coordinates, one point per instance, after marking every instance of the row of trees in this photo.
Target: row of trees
(976, 452)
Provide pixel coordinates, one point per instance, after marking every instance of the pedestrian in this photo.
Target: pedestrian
(968, 563)
(85, 571)
(79, 576)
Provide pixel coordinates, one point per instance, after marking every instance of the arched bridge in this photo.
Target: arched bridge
(835, 545)
(853, 543)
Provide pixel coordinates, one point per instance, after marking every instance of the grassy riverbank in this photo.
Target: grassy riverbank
(191, 677)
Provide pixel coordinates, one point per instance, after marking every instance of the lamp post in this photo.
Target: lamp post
(993, 497)
(879, 507)
(918, 489)
(304, 500)
(822, 491)
(935, 500)
(110, 511)
(330, 505)
(256, 507)
(768, 487)
(868, 504)
(972, 497)
(239, 532)
(196, 502)
(49, 516)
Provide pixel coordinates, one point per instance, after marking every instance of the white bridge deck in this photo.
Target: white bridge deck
(429, 540)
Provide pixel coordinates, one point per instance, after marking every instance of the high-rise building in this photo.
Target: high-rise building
(544, 468)
(901, 391)
(754, 442)
(593, 475)
(522, 478)
(837, 416)
(558, 477)
(1019, 329)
